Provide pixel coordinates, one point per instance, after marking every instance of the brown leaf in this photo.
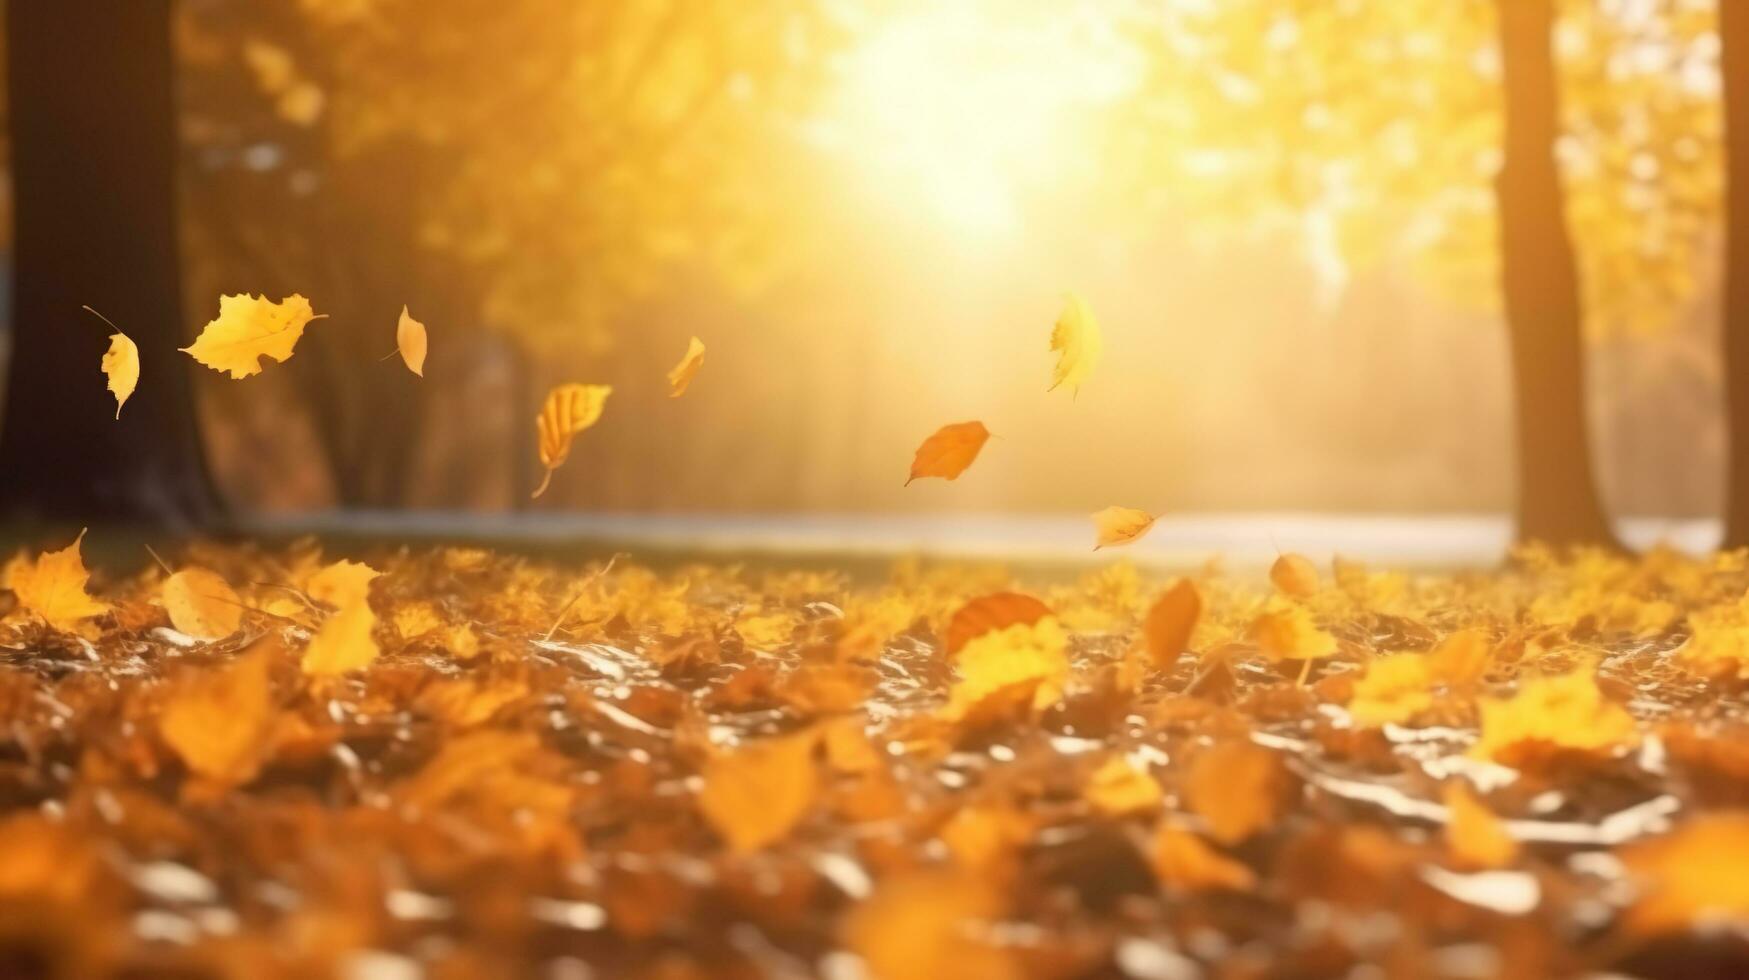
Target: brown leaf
(949, 451)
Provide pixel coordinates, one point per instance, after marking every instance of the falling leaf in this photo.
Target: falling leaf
(411, 341)
(122, 364)
(249, 328)
(925, 925)
(1566, 711)
(1294, 575)
(1117, 788)
(995, 611)
(1695, 878)
(949, 451)
(1024, 653)
(1078, 344)
(1181, 859)
(1120, 525)
(341, 584)
(221, 722)
(1238, 788)
(569, 409)
(1290, 634)
(1475, 837)
(53, 587)
(681, 376)
(202, 604)
(1393, 690)
(344, 643)
(756, 794)
(1171, 621)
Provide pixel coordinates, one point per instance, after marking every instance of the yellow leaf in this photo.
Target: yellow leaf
(689, 364)
(1718, 641)
(1022, 653)
(221, 722)
(249, 328)
(411, 340)
(1120, 525)
(998, 610)
(1294, 575)
(1393, 690)
(1462, 658)
(122, 364)
(949, 451)
(1566, 711)
(1694, 878)
(53, 587)
(1078, 344)
(569, 409)
(341, 584)
(925, 925)
(1171, 621)
(756, 794)
(202, 604)
(1117, 788)
(1475, 837)
(344, 642)
(1182, 860)
(1290, 634)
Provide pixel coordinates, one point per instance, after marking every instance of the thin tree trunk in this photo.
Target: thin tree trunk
(1734, 62)
(93, 128)
(1557, 495)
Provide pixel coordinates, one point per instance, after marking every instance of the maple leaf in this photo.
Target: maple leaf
(690, 362)
(568, 410)
(1022, 654)
(1294, 575)
(221, 722)
(412, 342)
(756, 794)
(1120, 525)
(1566, 711)
(949, 451)
(53, 587)
(341, 584)
(1118, 788)
(122, 364)
(1181, 859)
(1171, 621)
(202, 604)
(344, 643)
(1393, 690)
(1078, 343)
(249, 328)
(1290, 634)
(995, 611)
(1475, 837)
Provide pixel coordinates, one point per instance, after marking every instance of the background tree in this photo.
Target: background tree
(1733, 26)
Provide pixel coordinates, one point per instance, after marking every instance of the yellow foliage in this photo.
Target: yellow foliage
(568, 410)
(1696, 877)
(1181, 860)
(53, 587)
(412, 342)
(344, 643)
(249, 328)
(1718, 641)
(1565, 711)
(681, 377)
(1289, 633)
(342, 584)
(1120, 525)
(1393, 690)
(1019, 654)
(754, 795)
(121, 363)
(1077, 340)
(202, 604)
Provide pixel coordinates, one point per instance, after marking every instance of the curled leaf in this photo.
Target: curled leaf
(411, 340)
(202, 604)
(568, 410)
(690, 362)
(995, 611)
(1294, 575)
(122, 364)
(949, 451)
(1120, 525)
(1171, 621)
(1078, 343)
(249, 328)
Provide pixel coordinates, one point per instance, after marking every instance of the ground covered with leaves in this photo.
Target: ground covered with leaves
(455, 764)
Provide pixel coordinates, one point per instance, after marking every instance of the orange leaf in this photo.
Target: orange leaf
(202, 604)
(949, 451)
(995, 611)
(1294, 575)
(690, 362)
(568, 410)
(1290, 634)
(1697, 876)
(756, 794)
(1475, 837)
(1120, 525)
(925, 926)
(344, 643)
(342, 583)
(221, 722)
(1182, 860)
(1171, 621)
(1117, 788)
(53, 587)
(1393, 690)
(411, 340)
(1238, 788)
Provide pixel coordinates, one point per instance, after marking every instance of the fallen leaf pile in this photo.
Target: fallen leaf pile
(456, 763)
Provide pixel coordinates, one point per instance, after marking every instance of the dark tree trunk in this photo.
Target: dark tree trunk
(1734, 59)
(93, 166)
(1557, 495)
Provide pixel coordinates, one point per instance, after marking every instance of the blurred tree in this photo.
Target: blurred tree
(92, 123)
(1734, 62)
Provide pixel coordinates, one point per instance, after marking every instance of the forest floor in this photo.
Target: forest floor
(452, 762)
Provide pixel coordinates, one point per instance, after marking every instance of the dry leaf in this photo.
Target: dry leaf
(995, 611)
(1023, 654)
(1392, 690)
(1077, 341)
(344, 643)
(411, 341)
(1566, 711)
(53, 587)
(1294, 575)
(681, 376)
(341, 584)
(1475, 837)
(1291, 634)
(202, 604)
(1694, 878)
(122, 364)
(568, 410)
(1462, 658)
(949, 451)
(1117, 789)
(249, 328)
(1237, 787)
(221, 722)
(1171, 621)
(1181, 860)
(929, 925)
(1119, 525)
(756, 794)
(982, 836)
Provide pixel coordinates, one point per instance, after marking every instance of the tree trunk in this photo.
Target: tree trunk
(1734, 62)
(1557, 495)
(93, 164)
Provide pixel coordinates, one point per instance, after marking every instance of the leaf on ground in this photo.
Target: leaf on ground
(249, 328)
(1118, 788)
(1078, 342)
(1567, 711)
(412, 342)
(344, 643)
(1462, 658)
(1033, 654)
(1290, 633)
(221, 722)
(1694, 878)
(754, 795)
(982, 836)
(1236, 787)
(1119, 525)
(121, 363)
(202, 604)
(949, 451)
(53, 587)
(1474, 836)
(690, 362)
(995, 611)
(341, 584)
(1171, 622)
(568, 410)
(931, 925)
(1391, 691)
(1181, 860)
(1294, 575)
(1718, 641)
